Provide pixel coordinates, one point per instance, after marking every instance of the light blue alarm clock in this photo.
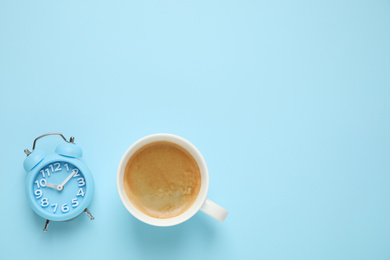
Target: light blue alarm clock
(59, 186)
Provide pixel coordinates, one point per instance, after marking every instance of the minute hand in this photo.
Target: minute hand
(61, 186)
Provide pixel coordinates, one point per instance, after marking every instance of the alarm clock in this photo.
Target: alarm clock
(59, 186)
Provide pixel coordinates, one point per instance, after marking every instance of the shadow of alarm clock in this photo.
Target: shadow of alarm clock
(59, 186)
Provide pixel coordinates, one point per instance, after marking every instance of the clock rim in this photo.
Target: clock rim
(88, 195)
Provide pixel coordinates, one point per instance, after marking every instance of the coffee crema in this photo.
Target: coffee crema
(162, 179)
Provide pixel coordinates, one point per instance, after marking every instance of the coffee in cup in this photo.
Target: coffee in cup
(162, 179)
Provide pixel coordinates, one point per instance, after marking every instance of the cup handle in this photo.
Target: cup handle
(214, 210)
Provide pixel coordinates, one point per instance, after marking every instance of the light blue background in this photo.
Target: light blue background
(289, 102)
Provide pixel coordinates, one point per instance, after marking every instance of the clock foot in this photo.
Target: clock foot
(46, 225)
(89, 214)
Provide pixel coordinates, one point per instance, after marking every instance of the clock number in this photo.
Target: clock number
(38, 193)
(65, 208)
(76, 171)
(43, 172)
(81, 182)
(80, 192)
(55, 206)
(44, 202)
(42, 182)
(66, 166)
(75, 203)
(58, 167)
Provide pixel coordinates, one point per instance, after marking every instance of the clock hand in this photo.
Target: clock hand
(61, 186)
(51, 185)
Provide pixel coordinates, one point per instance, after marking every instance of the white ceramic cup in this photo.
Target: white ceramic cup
(201, 203)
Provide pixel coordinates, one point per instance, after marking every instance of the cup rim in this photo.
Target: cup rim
(202, 195)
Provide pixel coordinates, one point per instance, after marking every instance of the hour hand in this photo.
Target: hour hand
(51, 185)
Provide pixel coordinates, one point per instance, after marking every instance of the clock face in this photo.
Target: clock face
(59, 188)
